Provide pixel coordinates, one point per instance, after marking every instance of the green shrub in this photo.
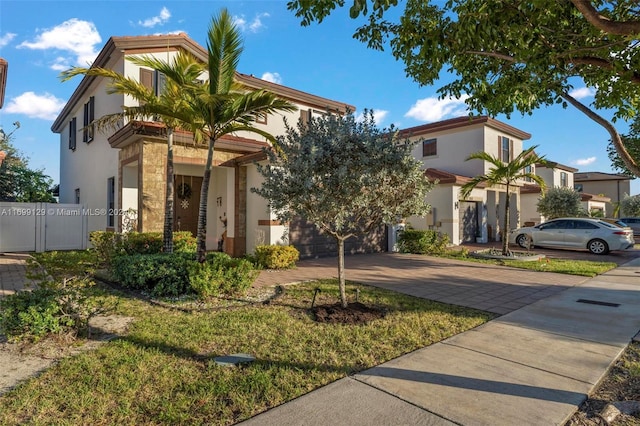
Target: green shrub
(109, 245)
(422, 242)
(162, 274)
(58, 307)
(143, 242)
(184, 242)
(221, 274)
(277, 257)
(31, 314)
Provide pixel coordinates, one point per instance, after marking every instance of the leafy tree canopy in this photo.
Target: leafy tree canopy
(630, 205)
(345, 176)
(510, 55)
(560, 202)
(17, 181)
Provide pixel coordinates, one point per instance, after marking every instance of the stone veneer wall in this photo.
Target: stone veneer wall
(240, 234)
(152, 167)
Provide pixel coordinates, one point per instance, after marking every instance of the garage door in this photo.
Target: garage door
(311, 243)
(468, 221)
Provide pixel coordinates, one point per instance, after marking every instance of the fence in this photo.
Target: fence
(38, 227)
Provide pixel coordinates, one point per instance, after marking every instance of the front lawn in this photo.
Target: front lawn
(585, 268)
(163, 372)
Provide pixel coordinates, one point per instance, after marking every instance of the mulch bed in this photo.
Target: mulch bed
(354, 313)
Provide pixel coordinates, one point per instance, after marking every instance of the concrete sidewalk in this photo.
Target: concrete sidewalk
(532, 366)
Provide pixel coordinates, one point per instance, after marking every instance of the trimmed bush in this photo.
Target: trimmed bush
(277, 257)
(162, 274)
(112, 244)
(422, 242)
(221, 276)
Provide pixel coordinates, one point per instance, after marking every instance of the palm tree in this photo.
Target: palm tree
(506, 174)
(171, 107)
(225, 106)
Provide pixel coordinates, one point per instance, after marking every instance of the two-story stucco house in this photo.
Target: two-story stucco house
(611, 185)
(556, 175)
(124, 171)
(444, 149)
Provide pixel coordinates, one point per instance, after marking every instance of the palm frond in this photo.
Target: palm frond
(224, 47)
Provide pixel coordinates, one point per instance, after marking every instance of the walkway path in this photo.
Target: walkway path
(497, 289)
(12, 273)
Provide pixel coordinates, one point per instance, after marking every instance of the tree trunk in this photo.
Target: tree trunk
(201, 240)
(341, 276)
(629, 161)
(505, 231)
(167, 239)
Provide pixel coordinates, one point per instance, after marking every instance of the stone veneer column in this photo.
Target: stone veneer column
(152, 191)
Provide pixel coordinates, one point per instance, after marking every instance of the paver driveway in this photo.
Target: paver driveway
(492, 288)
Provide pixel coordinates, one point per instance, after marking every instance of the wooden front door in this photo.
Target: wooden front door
(187, 202)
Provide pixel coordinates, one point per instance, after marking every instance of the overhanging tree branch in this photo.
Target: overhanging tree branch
(595, 18)
(629, 161)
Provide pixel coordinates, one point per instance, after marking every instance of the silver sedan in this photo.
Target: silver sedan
(597, 236)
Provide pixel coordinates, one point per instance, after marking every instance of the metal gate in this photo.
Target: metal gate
(41, 227)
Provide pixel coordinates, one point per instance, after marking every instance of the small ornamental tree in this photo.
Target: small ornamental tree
(630, 206)
(560, 202)
(345, 176)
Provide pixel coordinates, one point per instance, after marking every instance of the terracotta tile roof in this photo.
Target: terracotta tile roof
(444, 177)
(459, 122)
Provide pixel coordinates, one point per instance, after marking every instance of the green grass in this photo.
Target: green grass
(163, 372)
(585, 268)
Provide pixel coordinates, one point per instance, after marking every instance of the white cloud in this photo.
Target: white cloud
(6, 39)
(583, 92)
(584, 161)
(434, 109)
(378, 115)
(44, 106)
(273, 77)
(253, 26)
(75, 36)
(161, 19)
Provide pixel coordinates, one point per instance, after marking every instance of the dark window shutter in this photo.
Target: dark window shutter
(72, 134)
(146, 78)
(85, 123)
(92, 116)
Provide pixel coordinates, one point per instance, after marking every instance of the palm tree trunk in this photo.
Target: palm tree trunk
(169, 201)
(201, 240)
(341, 274)
(505, 231)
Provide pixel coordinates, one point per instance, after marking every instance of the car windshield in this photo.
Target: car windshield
(609, 225)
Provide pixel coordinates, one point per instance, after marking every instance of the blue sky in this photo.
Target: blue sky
(41, 38)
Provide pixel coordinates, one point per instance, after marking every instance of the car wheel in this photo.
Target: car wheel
(598, 247)
(522, 241)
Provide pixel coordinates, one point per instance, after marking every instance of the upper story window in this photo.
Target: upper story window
(153, 79)
(505, 149)
(564, 179)
(578, 187)
(429, 147)
(89, 116)
(530, 170)
(72, 134)
(77, 195)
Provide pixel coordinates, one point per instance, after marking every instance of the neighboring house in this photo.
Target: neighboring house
(444, 149)
(611, 185)
(555, 175)
(124, 171)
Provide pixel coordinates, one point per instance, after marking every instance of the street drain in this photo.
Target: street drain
(598, 302)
